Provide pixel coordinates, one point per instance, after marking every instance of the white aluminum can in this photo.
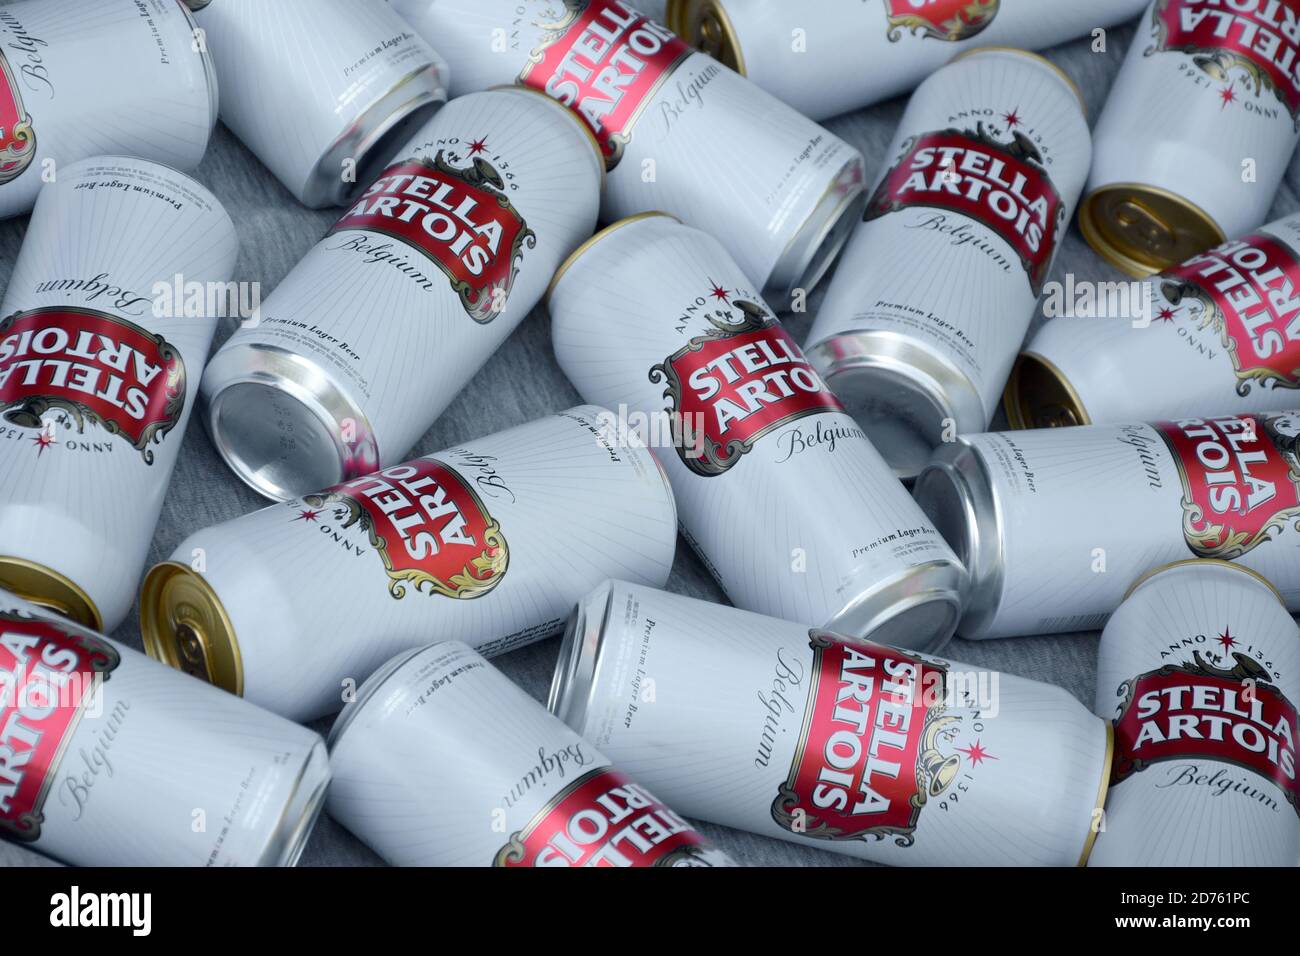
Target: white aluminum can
(811, 54)
(322, 91)
(442, 761)
(1199, 672)
(680, 132)
(921, 325)
(1053, 524)
(1197, 133)
(98, 374)
(110, 759)
(370, 337)
(779, 491)
(82, 78)
(487, 543)
(832, 742)
(1217, 333)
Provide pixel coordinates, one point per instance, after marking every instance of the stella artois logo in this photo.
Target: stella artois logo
(460, 219)
(871, 750)
(605, 61)
(950, 20)
(1256, 42)
(17, 138)
(1245, 290)
(429, 526)
(94, 367)
(1002, 185)
(604, 819)
(47, 677)
(1197, 710)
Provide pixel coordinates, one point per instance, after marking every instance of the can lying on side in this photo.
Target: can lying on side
(442, 761)
(370, 337)
(99, 373)
(1199, 672)
(829, 741)
(488, 543)
(921, 325)
(780, 493)
(112, 759)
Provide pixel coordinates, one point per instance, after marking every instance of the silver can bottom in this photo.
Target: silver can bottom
(301, 812)
(918, 609)
(809, 255)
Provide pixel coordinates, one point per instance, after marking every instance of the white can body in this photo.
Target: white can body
(82, 78)
(1199, 671)
(442, 761)
(99, 372)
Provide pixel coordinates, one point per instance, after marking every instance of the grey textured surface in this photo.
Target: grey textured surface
(523, 382)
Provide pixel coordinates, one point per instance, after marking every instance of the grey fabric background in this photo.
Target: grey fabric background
(522, 382)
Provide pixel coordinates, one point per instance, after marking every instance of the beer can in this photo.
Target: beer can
(111, 759)
(828, 741)
(322, 91)
(1054, 523)
(100, 359)
(488, 543)
(811, 54)
(1216, 333)
(370, 337)
(442, 761)
(1199, 673)
(680, 132)
(921, 326)
(779, 491)
(83, 78)
(1197, 133)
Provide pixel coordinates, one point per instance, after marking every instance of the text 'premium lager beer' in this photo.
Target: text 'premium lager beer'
(107, 758)
(921, 326)
(680, 132)
(486, 543)
(372, 335)
(1199, 672)
(442, 761)
(98, 375)
(833, 742)
(779, 491)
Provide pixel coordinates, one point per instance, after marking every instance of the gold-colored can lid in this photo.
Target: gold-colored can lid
(704, 24)
(1205, 563)
(47, 588)
(1143, 229)
(1099, 808)
(184, 624)
(1038, 395)
(583, 249)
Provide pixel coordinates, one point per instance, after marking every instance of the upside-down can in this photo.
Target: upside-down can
(322, 91)
(370, 337)
(778, 490)
(811, 54)
(1199, 673)
(830, 741)
(486, 543)
(1197, 133)
(442, 761)
(1053, 524)
(680, 131)
(922, 324)
(110, 759)
(1217, 333)
(98, 374)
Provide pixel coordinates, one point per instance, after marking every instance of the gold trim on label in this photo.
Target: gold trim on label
(1035, 57)
(47, 588)
(1106, 764)
(705, 25)
(1038, 395)
(586, 246)
(184, 624)
(1142, 230)
(1218, 562)
(591, 137)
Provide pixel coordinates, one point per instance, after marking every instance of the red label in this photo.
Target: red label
(1002, 185)
(429, 526)
(460, 219)
(1259, 38)
(1246, 289)
(1241, 480)
(604, 61)
(869, 753)
(91, 366)
(47, 675)
(1199, 710)
(950, 20)
(604, 819)
(736, 384)
(17, 138)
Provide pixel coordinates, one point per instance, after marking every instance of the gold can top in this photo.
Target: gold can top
(1208, 563)
(1038, 395)
(47, 588)
(579, 252)
(582, 124)
(1036, 58)
(1142, 230)
(704, 24)
(1094, 825)
(184, 624)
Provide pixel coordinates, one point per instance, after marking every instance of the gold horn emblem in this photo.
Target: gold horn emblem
(939, 770)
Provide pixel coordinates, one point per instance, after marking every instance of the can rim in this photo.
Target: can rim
(816, 250)
(1204, 562)
(583, 249)
(577, 120)
(578, 663)
(1033, 57)
(41, 585)
(1016, 403)
(188, 9)
(222, 660)
(369, 687)
(677, 17)
(1107, 764)
(1114, 254)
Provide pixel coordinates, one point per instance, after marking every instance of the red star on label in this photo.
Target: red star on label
(1165, 315)
(307, 515)
(719, 292)
(1012, 118)
(976, 753)
(43, 441)
(478, 146)
(1228, 95)
(1226, 639)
